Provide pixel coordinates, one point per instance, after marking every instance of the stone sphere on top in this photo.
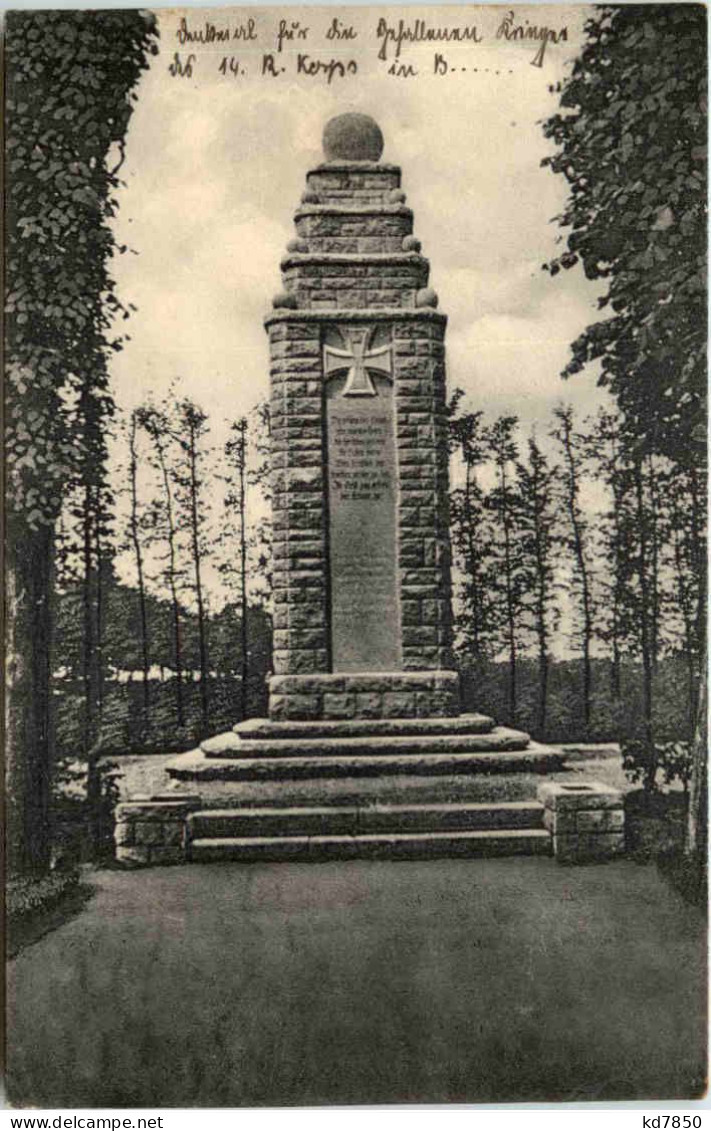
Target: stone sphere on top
(352, 137)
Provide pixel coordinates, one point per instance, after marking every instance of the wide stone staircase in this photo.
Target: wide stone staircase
(380, 830)
(395, 788)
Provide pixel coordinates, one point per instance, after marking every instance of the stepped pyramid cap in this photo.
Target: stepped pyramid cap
(352, 137)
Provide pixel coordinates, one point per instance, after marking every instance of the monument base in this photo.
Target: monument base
(364, 695)
(229, 758)
(390, 787)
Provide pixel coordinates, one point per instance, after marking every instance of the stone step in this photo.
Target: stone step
(329, 820)
(231, 745)
(383, 789)
(195, 766)
(424, 845)
(265, 729)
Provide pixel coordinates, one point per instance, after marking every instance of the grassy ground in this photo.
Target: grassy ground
(228, 985)
(142, 773)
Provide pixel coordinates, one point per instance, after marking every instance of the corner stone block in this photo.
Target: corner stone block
(586, 820)
(151, 830)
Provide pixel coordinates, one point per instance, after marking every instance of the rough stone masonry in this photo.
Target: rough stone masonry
(366, 751)
(362, 588)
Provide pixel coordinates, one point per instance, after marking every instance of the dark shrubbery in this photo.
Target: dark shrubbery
(655, 823)
(125, 728)
(82, 829)
(485, 688)
(644, 761)
(29, 895)
(37, 904)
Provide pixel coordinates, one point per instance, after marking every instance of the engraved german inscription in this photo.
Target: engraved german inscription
(362, 478)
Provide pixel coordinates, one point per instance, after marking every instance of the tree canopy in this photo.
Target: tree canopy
(70, 95)
(630, 140)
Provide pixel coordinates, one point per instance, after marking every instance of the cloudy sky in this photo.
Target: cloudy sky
(216, 164)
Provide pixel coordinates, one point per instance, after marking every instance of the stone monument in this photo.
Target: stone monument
(364, 708)
(362, 608)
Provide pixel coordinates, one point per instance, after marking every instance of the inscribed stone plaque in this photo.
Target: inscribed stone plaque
(362, 484)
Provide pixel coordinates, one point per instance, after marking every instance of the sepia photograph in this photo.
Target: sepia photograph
(355, 555)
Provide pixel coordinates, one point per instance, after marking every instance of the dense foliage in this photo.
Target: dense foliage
(69, 100)
(630, 139)
(70, 94)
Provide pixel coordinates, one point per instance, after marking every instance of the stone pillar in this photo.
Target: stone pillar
(362, 587)
(153, 830)
(586, 820)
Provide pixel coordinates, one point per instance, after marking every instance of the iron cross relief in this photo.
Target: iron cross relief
(358, 360)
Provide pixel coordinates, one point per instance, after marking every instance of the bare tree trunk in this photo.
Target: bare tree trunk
(541, 629)
(609, 455)
(138, 554)
(580, 559)
(536, 498)
(88, 654)
(686, 606)
(616, 669)
(616, 673)
(543, 664)
(510, 605)
(91, 660)
(696, 846)
(698, 510)
(697, 822)
(100, 611)
(29, 731)
(195, 539)
(170, 520)
(242, 502)
(644, 627)
(654, 604)
(472, 562)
